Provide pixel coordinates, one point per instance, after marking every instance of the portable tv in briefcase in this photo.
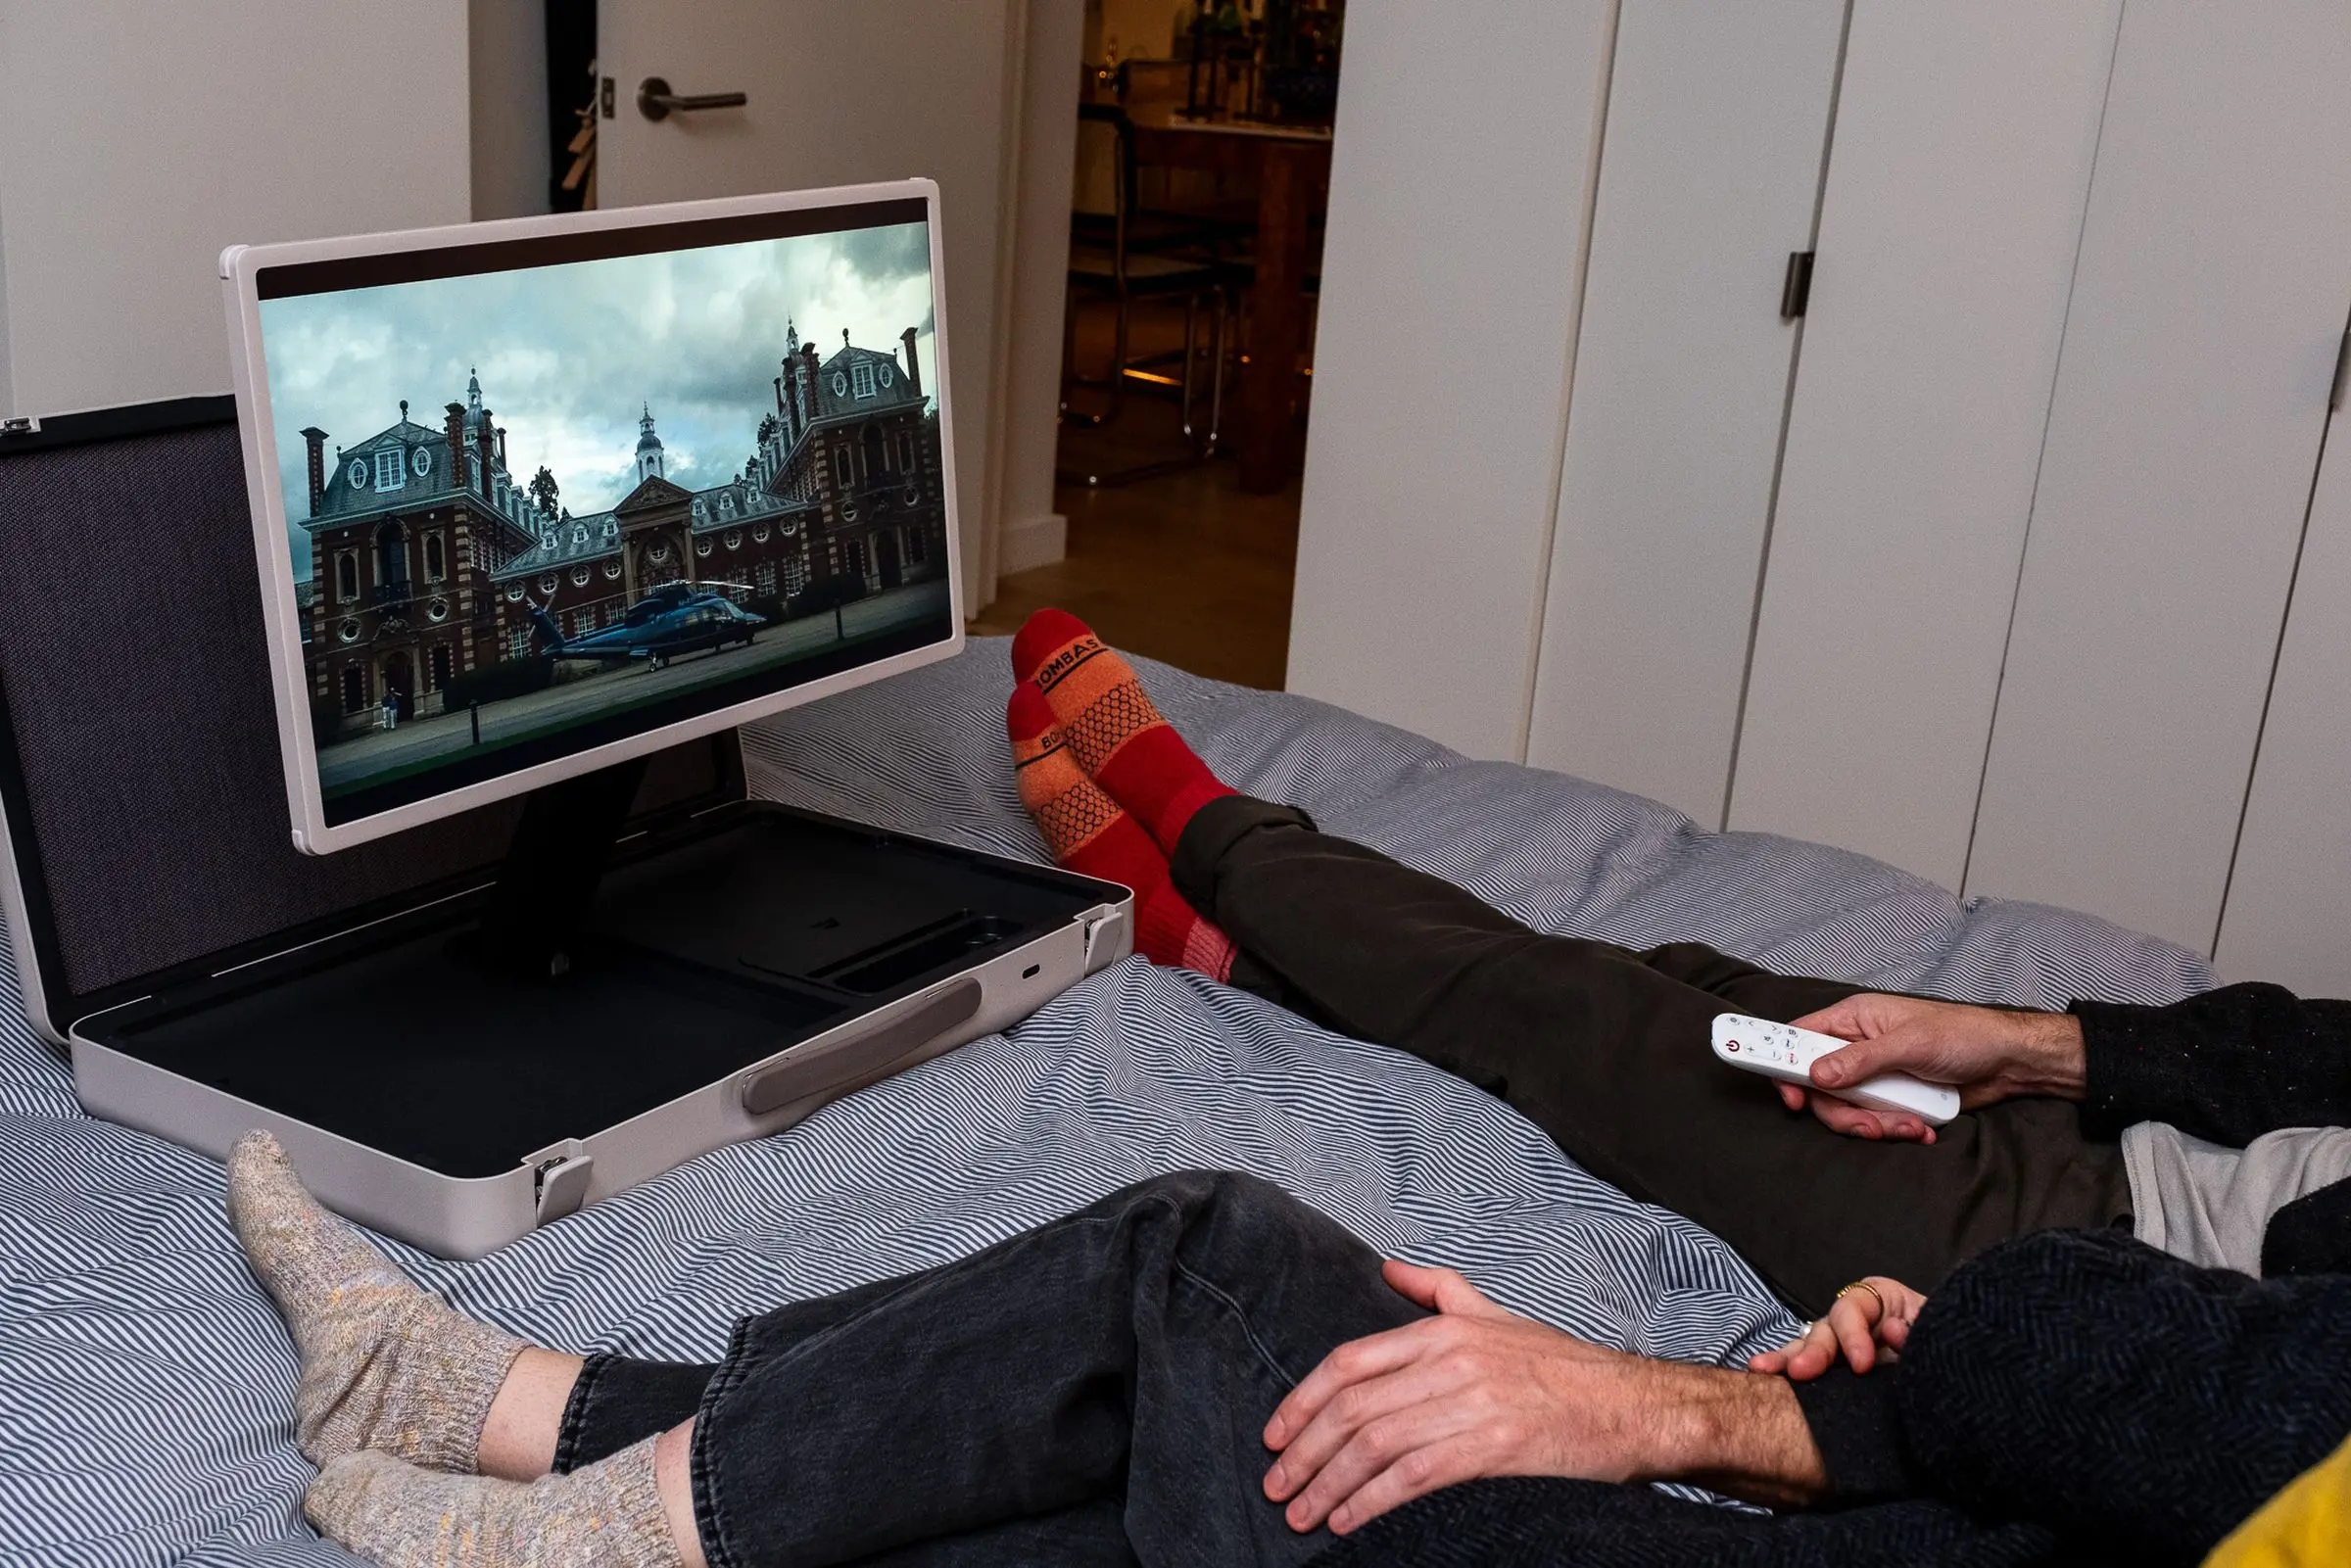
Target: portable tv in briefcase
(425, 845)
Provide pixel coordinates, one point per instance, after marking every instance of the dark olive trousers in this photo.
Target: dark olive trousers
(1610, 1052)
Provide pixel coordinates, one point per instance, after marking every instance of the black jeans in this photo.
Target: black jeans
(1092, 1391)
(1608, 1051)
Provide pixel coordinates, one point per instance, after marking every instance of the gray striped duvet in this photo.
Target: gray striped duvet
(145, 1380)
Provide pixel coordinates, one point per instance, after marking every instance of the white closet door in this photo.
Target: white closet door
(2289, 915)
(2216, 264)
(1461, 182)
(1958, 174)
(1709, 177)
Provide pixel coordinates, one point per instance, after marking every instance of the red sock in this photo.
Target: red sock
(1088, 833)
(1121, 740)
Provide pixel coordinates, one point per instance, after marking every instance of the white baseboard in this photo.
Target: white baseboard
(1032, 542)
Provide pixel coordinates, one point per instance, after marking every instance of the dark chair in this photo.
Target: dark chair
(1110, 267)
(1211, 227)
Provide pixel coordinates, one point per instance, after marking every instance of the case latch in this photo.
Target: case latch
(560, 1180)
(1103, 934)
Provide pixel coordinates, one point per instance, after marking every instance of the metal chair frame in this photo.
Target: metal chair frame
(1202, 278)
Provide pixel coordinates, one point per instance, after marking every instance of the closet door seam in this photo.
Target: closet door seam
(1779, 459)
(2048, 412)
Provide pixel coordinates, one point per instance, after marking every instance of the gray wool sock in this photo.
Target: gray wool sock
(603, 1515)
(384, 1365)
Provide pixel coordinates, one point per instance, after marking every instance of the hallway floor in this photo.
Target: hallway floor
(1183, 566)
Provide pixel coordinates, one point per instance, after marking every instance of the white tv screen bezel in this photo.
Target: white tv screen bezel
(240, 270)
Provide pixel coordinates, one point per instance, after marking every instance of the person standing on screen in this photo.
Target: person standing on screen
(390, 709)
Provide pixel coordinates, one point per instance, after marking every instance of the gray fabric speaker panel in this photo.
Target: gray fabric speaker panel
(138, 690)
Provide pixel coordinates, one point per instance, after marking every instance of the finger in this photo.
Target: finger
(1356, 1362)
(1850, 1322)
(1410, 1281)
(1814, 1353)
(1792, 1096)
(1339, 1422)
(1902, 1310)
(1372, 1449)
(1908, 1050)
(1414, 1475)
(1862, 1121)
(1768, 1361)
(1841, 1018)
(1859, 1063)
(1841, 1115)
(1895, 1126)
(1442, 1290)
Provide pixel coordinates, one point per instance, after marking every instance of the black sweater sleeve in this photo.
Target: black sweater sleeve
(2093, 1384)
(1853, 1421)
(2228, 1066)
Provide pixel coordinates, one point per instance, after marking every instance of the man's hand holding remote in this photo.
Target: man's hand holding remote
(1988, 1054)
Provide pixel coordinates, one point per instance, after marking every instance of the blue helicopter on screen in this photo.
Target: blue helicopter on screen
(672, 619)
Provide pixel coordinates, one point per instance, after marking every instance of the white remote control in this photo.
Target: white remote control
(1784, 1052)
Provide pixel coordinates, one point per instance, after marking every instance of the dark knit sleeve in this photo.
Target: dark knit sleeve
(2228, 1065)
(1852, 1420)
(2093, 1384)
(2311, 1235)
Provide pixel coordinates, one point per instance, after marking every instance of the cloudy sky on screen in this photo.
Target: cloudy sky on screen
(570, 354)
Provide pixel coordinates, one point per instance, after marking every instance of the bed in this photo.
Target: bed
(146, 1382)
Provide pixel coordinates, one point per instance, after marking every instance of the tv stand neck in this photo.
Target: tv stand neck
(531, 921)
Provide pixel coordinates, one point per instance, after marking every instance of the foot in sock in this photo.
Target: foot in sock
(1087, 832)
(384, 1365)
(1120, 738)
(603, 1515)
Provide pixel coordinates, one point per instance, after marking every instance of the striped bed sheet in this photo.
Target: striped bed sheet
(146, 1382)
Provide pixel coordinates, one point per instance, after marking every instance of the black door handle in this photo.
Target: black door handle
(654, 100)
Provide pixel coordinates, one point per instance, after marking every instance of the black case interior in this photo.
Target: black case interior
(170, 918)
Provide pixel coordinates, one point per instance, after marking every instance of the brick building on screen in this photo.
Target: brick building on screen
(427, 553)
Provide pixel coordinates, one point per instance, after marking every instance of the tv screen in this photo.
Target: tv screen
(553, 497)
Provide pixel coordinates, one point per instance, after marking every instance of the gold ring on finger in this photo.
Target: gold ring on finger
(1863, 1284)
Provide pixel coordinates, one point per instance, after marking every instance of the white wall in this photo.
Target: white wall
(140, 141)
(507, 74)
(1432, 461)
(8, 400)
(1031, 532)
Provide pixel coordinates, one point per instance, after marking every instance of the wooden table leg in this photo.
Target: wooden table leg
(1267, 430)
